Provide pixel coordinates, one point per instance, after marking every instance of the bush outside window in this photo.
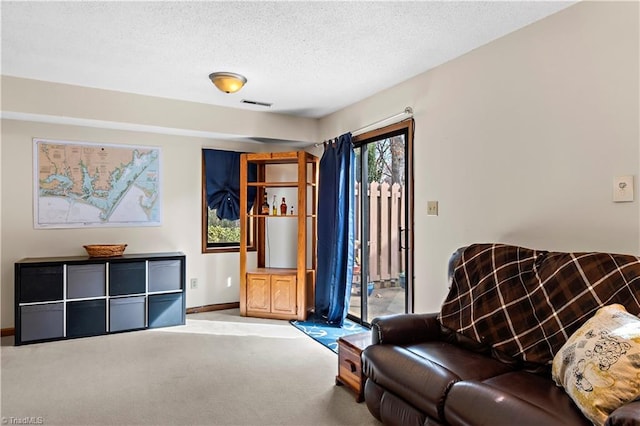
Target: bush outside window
(222, 234)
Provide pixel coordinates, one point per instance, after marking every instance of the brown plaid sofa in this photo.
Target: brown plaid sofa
(485, 358)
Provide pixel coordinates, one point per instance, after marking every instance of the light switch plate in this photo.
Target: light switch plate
(432, 208)
(623, 189)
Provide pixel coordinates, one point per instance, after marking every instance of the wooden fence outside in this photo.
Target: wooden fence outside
(386, 230)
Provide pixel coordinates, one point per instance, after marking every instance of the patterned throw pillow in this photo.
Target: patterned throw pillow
(599, 366)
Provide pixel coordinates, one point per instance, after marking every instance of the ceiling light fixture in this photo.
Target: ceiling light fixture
(228, 82)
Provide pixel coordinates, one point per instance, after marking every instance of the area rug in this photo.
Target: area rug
(326, 334)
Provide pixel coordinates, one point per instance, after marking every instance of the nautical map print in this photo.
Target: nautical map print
(93, 185)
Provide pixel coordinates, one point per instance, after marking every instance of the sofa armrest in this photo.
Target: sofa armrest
(627, 415)
(402, 329)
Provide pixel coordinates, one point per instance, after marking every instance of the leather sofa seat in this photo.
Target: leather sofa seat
(423, 373)
(522, 398)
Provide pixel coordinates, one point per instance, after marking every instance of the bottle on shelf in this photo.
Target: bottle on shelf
(283, 207)
(274, 207)
(264, 209)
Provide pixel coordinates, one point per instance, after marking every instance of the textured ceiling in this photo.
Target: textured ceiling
(307, 58)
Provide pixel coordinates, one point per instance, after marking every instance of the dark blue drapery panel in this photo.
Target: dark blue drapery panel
(222, 170)
(335, 231)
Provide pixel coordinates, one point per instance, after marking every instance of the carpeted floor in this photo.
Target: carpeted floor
(328, 335)
(219, 369)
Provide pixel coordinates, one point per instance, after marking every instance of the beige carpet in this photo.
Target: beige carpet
(219, 369)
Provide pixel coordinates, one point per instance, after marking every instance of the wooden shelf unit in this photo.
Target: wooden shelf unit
(280, 293)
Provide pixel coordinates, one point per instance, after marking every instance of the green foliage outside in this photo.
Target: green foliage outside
(222, 230)
(373, 166)
(374, 172)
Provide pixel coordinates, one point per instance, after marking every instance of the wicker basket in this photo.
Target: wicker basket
(105, 250)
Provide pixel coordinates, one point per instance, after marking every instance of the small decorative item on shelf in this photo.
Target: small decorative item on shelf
(105, 250)
(292, 210)
(283, 207)
(264, 209)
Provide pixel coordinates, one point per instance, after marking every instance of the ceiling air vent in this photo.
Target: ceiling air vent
(263, 104)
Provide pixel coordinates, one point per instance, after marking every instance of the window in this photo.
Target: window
(220, 191)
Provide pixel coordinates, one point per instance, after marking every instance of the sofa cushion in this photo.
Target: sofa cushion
(518, 398)
(599, 366)
(627, 415)
(396, 412)
(421, 374)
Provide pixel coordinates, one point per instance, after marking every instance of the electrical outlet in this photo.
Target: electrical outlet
(432, 208)
(194, 283)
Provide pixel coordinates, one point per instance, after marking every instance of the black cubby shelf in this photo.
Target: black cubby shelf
(59, 298)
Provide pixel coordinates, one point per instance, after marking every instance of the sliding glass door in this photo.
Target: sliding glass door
(384, 212)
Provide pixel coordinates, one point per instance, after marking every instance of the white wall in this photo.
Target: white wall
(519, 140)
(281, 235)
(102, 118)
(39, 100)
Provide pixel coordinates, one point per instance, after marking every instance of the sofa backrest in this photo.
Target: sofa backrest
(526, 303)
(453, 262)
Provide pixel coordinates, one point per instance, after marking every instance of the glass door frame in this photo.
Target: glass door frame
(405, 128)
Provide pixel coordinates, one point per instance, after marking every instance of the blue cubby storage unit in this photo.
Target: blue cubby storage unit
(127, 313)
(164, 275)
(41, 283)
(42, 321)
(165, 309)
(86, 318)
(127, 278)
(84, 281)
(67, 297)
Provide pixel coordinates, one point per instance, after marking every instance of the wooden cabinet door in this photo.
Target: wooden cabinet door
(283, 294)
(258, 293)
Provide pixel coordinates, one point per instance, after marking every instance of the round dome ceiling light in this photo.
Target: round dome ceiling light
(228, 82)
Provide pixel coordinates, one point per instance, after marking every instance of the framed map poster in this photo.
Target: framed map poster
(82, 184)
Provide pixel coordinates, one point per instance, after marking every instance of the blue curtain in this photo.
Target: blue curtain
(335, 231)
(222, 171)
